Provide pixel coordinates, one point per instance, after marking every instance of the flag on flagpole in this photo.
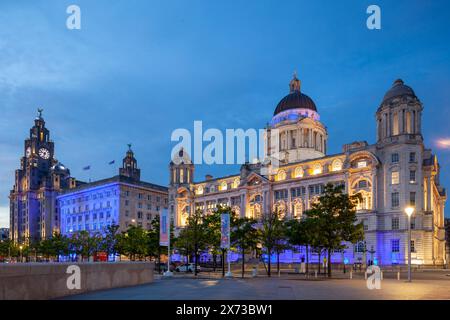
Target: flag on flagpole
(87, 168)
(112, 162)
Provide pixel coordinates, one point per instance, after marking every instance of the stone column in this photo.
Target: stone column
(289, 209)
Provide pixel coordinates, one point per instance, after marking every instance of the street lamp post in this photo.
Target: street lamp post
(21, 258)
(409, 211)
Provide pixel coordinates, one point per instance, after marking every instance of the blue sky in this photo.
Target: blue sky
(137, 70)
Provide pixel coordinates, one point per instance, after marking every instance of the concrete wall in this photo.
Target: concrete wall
(49, 280)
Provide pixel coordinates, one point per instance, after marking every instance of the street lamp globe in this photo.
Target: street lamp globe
(409, 211)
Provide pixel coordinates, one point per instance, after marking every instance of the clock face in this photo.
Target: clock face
(28, 152)
(44, 153)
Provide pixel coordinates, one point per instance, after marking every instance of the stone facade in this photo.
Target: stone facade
(33, 211)
(395, 172)
(122, 200)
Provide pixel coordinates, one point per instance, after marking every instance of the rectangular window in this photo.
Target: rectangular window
(413, 248)
(412, 176)
(395, 177)
(412, 198)
(395, 245)
(395, 223)
(365, 225)
(394, 158)
(395, 200)
(412, 157)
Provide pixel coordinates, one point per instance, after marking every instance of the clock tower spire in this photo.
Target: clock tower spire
(129, 166)
(38, 181)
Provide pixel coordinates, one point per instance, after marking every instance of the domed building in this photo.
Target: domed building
(301, 134)
(395, 172)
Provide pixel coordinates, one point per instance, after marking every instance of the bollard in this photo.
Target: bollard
(398, 275)
(365, 275)
(279, 273)
(315, 274)
(351, 274)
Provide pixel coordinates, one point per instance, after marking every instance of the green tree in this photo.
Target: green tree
(195, 235)
(154, 249)
(8, 248)
(335, 215)
(272, 236)
(213, 234)
(134, 243)
(303, 232)
(109, 241)
(244, 236)
(46, 248)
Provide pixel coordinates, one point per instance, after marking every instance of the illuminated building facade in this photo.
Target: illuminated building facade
(395, 172)
(121, 200)
(33, 210)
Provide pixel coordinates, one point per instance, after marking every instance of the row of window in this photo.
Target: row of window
(87, 227)
(395, 199)
(94, 196)
(395, 246)
(79, 209)
(141, 196)
(395, 177)
(140, 205)
(87, 217)
(395, 158)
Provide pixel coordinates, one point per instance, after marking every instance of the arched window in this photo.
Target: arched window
(281, 175)
(317, 169)
(298, 209)
(298, 172)
(199, 190)
(236, 183)
(336, 165)
(223, 186)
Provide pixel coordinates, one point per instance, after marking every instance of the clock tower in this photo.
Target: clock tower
(40, 178)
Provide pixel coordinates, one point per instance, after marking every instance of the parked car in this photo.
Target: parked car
(187, 268)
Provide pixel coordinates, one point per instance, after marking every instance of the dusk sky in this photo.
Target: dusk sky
(137, 70)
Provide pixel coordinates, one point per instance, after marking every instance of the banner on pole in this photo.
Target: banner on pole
(164, 228)
(225, 231)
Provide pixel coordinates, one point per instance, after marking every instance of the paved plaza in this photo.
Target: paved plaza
(426, 285)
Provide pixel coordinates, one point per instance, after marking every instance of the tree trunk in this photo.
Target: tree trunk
(196, 258)
(278, 261)
(159, 260)
(329, 263)
(307, 259)
(214, 262)
(320, 255)
(243, 262)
